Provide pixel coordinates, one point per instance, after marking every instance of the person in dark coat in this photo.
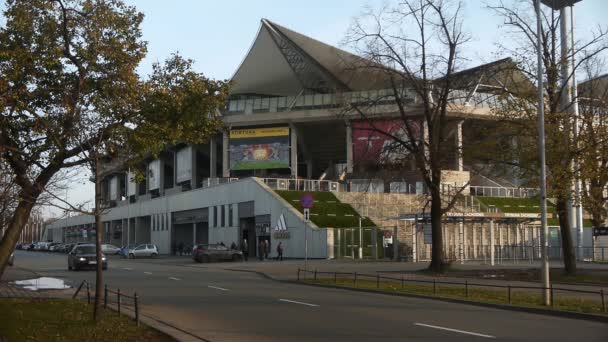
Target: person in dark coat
(261, 250)
(180, 248)
(280, 251)
(233, 245)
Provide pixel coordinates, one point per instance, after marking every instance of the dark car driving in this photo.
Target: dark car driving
(206, 253)
(83, 256)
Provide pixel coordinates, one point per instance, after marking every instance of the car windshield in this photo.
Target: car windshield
(85, 250)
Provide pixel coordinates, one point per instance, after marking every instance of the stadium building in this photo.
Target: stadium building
(286, 136)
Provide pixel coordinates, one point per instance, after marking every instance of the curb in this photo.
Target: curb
(548, 312)
(157, 324)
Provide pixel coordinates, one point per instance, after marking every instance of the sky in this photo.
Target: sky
(218, 34)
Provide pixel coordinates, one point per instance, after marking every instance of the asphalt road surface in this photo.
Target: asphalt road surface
(221, 305)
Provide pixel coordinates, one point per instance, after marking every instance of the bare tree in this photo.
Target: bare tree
(412, 48)
(562, 147)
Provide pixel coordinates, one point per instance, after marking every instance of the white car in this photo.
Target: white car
(145, 250)
(109, 249)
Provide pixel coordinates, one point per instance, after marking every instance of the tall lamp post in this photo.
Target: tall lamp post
(555, 5)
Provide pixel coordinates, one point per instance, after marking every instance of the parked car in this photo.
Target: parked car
(84, 256)
(11, 259)
(109, 249)
(213, 252)
(52, 247)
(145, 250)
(67, 248)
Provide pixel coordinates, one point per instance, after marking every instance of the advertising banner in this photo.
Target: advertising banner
(184, 164)
(371, 145)
(259, 148)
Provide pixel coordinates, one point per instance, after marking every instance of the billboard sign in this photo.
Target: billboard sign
(259, 148)
(371, 145)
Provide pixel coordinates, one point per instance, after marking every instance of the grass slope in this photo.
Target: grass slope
(326, 206)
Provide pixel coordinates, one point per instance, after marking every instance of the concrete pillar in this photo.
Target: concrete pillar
(294, 151)
(458, 136)
(474, 241)
(460, 240)
(349, 148)
(492, 242)
(212, 157)
(193, 234)
(225, 155)
(396, 244)
(309, 169)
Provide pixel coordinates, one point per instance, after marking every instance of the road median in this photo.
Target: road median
(504, 296)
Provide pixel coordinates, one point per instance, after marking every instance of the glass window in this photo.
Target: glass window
(230, 214)
(223, 218)
(85, 250)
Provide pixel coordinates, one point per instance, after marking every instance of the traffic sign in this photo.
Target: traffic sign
(307, 201)
(306, 215)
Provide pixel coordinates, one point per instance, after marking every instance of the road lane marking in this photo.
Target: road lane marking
(172, 278)
(147, 272)
(128, 269)
(296, 302)
(217, 288)
(454, 330)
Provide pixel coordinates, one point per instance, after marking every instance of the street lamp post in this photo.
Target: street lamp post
(541, 151)
(567, 86)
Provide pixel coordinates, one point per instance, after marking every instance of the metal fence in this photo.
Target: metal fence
(512, 254)
(468, 289)
(303, 184)
(494, 191)
(120, 301)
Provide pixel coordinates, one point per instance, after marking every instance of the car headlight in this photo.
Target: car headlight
(103, 259)
(82, 259)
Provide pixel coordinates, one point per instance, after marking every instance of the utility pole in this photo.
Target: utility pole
(541, 151)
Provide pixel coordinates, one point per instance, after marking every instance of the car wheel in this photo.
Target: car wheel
(69, 268)
(76, 268)
(236, 258)
(205, 258)
(131, 256)
(104, 268)
(154, 255)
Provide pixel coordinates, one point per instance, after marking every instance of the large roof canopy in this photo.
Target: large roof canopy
(282, 62)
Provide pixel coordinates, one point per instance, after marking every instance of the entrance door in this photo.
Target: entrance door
(247, 232)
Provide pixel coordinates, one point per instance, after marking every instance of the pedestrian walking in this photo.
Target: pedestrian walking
(266, 248)
(280, 252)
(180, 248)
(261, 250)
(245, 249)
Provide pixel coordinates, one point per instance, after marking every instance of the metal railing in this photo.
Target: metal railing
(120, 300)
(303, 184)
(511, 254)
(495, 191)
(467, 291)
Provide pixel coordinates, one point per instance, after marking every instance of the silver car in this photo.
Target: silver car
(144, 250)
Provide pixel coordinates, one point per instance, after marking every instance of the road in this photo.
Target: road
(222, 305)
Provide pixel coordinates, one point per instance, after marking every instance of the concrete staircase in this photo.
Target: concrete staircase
(383, 208)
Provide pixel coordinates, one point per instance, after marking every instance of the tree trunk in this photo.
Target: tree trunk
(97, 311)
(11, 235)
(438, 263)
(566, 233)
